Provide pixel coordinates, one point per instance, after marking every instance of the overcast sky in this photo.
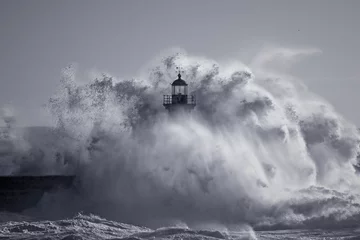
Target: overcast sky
(40, 37)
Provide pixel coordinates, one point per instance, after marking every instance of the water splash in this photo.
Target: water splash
(259, 149)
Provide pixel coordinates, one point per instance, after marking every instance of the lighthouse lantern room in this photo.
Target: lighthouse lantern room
(179, 98)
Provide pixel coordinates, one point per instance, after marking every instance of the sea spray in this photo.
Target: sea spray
(258, 149)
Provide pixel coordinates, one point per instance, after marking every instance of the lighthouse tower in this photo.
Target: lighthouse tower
(179, 100)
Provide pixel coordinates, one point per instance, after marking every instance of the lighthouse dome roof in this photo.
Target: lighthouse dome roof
(179, 81)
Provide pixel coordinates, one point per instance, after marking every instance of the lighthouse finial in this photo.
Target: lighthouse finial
(179, 72)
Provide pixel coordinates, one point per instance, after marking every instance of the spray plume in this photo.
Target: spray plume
(259, 149)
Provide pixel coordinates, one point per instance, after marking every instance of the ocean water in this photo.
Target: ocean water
(261, 157)
(94, 227)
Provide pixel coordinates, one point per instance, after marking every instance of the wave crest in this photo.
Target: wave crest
(245, 155)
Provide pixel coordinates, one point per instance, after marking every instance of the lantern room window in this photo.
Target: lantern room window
(179, 90)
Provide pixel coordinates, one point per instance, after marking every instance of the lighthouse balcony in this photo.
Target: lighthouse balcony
(179, 99)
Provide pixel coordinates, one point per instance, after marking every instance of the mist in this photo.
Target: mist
(259, 148)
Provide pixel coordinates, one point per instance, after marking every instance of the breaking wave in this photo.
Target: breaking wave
(259, 149)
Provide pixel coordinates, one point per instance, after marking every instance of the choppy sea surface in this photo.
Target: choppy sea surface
(93, 227)
(259, 152)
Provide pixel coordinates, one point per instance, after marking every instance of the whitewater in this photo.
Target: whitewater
(260, 157)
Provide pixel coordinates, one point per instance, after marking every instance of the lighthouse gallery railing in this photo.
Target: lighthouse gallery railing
(182, 99)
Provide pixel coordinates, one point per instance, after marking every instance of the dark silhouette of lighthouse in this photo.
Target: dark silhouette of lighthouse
(179, 100)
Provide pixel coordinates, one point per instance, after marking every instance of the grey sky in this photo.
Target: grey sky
(39, 38)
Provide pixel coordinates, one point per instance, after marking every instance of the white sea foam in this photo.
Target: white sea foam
(259, 149)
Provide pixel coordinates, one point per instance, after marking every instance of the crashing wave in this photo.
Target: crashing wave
(258, 149)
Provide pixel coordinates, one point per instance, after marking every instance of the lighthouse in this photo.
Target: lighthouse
(179, 100)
